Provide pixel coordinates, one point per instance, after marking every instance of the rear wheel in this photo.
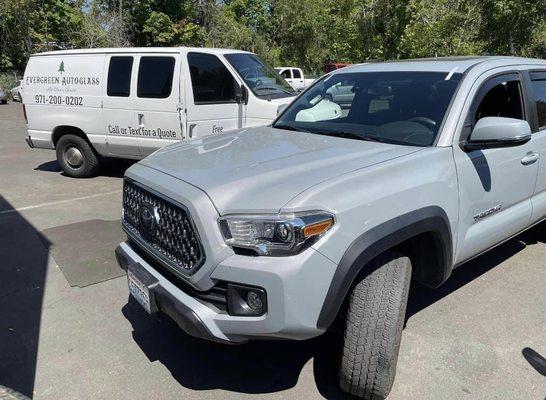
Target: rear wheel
(76, 157)
(375, 317)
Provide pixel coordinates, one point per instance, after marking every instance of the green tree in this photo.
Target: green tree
(513, 26)
(442, 28)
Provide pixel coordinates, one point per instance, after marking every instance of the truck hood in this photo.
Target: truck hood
(261, 169)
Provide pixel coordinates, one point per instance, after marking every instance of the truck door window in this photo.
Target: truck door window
(296, 73)
(502, 100)
(539, 92)
(119, 76)
(210, 80)
(286, 74)
(155, 77)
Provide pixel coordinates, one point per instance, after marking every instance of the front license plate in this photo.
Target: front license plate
(139, 291)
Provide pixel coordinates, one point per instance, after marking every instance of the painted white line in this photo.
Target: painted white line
(54, 203)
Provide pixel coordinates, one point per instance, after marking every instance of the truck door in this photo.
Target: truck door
(156, 118)
(117, 107)
(495, 185)
(538, 98)
(297, 79)
(287, 75)
(211, 96)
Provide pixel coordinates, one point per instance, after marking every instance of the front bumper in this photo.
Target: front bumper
(296, 288)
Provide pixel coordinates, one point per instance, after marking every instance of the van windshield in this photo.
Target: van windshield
(391, 107)
(260, 78)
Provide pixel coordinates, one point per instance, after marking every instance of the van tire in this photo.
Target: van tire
(77, 157)
(373, 328)
(10, 394)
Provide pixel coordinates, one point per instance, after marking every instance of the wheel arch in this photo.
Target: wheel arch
(424, 235)
(62, 130)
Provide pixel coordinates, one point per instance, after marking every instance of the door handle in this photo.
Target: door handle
(190, 131)
(530, 158)
(140, 119)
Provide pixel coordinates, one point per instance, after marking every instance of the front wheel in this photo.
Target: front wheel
(373, 328)
(10, 394)
(76, 157)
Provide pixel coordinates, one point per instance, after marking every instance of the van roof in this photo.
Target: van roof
(441, 64)
(131, 50)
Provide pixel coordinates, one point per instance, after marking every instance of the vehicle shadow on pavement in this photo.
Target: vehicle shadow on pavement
(255, 367)
(271, 366)
(109, 167)
(421, 297)
(23, 267)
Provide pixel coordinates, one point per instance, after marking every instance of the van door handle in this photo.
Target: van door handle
(190, 133)
(530, 158)
(140, 119)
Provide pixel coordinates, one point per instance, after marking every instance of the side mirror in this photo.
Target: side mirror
(281, 108)
(495, 132)
(241, 94)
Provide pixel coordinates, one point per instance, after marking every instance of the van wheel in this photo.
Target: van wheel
(76, 157)
(373, 328)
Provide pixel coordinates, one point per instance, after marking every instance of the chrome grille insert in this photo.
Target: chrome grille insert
(163, 227)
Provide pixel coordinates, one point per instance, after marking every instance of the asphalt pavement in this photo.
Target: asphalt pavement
(481, 336)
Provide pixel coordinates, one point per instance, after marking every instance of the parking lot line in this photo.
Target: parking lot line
(53, 203)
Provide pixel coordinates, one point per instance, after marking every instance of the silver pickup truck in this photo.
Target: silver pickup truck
(326, 215)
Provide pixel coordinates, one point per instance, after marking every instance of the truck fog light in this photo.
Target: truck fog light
(254, 301)
(246, 301)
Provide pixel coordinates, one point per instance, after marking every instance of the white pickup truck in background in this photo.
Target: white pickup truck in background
(295, 77)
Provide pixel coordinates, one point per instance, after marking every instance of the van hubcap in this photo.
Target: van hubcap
(74, 157)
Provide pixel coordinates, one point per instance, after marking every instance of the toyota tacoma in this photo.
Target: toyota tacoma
(375, 175)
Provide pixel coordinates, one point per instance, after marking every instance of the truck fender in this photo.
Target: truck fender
(367, 246)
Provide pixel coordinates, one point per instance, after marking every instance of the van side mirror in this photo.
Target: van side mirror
(495, 132)
(281, 108)
(241, 94)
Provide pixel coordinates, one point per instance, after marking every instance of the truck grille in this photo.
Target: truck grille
(162, 227)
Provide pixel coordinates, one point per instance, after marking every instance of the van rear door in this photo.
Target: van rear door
(211, 92)
(157, 101)
(117, 106)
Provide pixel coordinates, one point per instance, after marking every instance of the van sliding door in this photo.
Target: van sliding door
(117, 106)
(156, 114)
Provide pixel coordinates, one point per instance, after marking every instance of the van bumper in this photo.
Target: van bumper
(288, 298)
(29, 142)
(39, 139)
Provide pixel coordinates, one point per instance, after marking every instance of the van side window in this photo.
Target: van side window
(296, 73)
(502, 100)
(119, 76)
(539, 91)
(155, 77)
(210, 79)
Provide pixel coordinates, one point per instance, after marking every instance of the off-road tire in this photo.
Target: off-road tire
(10, 394)
(90, 164)
(373, 327)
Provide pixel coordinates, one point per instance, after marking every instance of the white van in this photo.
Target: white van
(128, 102)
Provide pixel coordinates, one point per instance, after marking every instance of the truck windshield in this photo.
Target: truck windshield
(391, 107)
(260, 78)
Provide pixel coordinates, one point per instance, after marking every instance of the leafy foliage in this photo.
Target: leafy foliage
(305, 33)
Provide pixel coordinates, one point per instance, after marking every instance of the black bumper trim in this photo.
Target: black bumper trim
(167, 304)
(29, 142)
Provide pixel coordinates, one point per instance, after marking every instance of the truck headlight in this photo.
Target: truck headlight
(275, 234)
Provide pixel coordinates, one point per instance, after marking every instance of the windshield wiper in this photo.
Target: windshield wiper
(351, 135)
(274, 88)
(287, 127)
